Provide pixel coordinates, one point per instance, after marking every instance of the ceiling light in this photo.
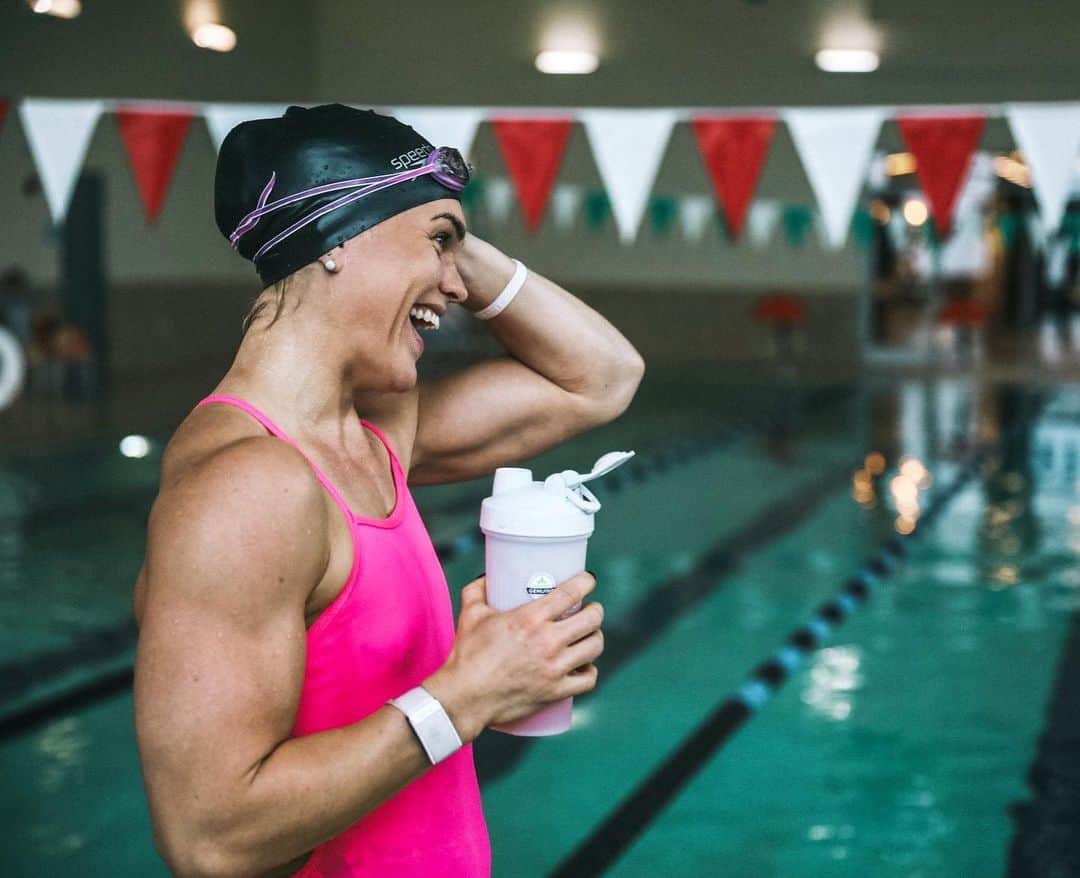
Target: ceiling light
(58, 8)
(214, 36)
(847, 60)
(915, 212)
(566, 61)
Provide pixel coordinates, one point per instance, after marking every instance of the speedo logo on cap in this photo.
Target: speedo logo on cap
(411, 159)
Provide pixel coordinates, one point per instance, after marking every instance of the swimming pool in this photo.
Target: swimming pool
(900, 749)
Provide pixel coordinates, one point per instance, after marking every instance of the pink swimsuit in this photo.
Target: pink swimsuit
(391, 627)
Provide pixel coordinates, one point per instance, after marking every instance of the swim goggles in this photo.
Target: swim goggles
(445, 164)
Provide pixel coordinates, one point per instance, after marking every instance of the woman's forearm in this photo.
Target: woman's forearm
(547, 328)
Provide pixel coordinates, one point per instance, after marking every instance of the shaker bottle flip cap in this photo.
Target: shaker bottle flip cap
(560, 506)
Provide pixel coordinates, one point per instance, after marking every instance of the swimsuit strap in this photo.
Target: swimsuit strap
(281, 434)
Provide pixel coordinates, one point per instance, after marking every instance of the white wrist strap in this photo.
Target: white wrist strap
(429, 720)
(507, 295)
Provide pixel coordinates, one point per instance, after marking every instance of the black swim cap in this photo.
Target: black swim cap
(306, 148)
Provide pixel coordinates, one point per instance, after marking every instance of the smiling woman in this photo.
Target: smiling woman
(317, 711)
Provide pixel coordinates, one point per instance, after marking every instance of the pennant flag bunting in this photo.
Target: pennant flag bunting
(662, 213)
(565, 204)
(835, 146)
(862, 228)
(628, 146)
(533, 149)
(152, 141)
(942, 146)
(734, 151)
(59, 134)
(498, 196)
(694, 213)
(444, 126)
(761, 221)
(473, 194)
(1049, 139)
(978, 186)
(222, 118)
(798, 218)
(597, 208)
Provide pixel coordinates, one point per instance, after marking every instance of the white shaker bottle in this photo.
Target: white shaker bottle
(536, 533)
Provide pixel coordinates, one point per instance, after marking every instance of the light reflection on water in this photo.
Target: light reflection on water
(832, 680)
(62, 746)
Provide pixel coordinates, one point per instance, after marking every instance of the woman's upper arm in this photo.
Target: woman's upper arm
(233, 552)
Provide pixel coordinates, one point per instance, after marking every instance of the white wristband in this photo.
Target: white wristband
(507, 295)
(429, 720)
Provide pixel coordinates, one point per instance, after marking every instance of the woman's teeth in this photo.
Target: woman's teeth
(424, 318)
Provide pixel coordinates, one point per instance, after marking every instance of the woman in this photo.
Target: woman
(290, 589)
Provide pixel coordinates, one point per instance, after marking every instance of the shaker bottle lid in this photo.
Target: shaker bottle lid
(559, 507)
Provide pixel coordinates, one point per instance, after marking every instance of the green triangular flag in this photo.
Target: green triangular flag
(930, 230)
(862, 228)
(472, 194)
(662, 210)
(597, 208)
(797, 221)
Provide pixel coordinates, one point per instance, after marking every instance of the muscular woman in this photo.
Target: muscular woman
(290, 589)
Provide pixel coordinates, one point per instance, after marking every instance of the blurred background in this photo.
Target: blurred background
(843, 235)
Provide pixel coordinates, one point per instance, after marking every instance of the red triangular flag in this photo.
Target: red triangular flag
(942, 146)
(733, 150)
(153, 140)
(3, 111)
(533, 150)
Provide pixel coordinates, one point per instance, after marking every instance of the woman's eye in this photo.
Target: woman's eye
(442, 238)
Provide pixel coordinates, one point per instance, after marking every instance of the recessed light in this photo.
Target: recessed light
(566, 61)
(57, 8)
(847, 60)
(216, 37)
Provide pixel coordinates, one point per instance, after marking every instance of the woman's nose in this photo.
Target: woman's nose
(452, 284)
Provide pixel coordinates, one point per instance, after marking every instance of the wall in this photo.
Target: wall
(174, 279)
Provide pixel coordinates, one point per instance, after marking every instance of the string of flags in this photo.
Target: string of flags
(836, 146)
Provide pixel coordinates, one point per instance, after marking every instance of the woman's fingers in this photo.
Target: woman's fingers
(565, 596)
(475, 593)
(582, 680)
(582, 653)
(581, 624)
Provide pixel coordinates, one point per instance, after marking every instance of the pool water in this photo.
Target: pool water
(901, 748)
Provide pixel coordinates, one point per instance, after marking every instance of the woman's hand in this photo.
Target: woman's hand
(508, 665)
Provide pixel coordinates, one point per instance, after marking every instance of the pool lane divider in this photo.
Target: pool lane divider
(620, 829)
(634, 631)
(99, 664)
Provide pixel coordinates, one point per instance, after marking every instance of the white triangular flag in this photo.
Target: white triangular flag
(443, 126)
(222, 118)
(59, 134)
(1049, 139)
(979, 185)
(565, 205)
(628, 146)
(498, 197)
(694, 214)
(761, 221)
(835, 146)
